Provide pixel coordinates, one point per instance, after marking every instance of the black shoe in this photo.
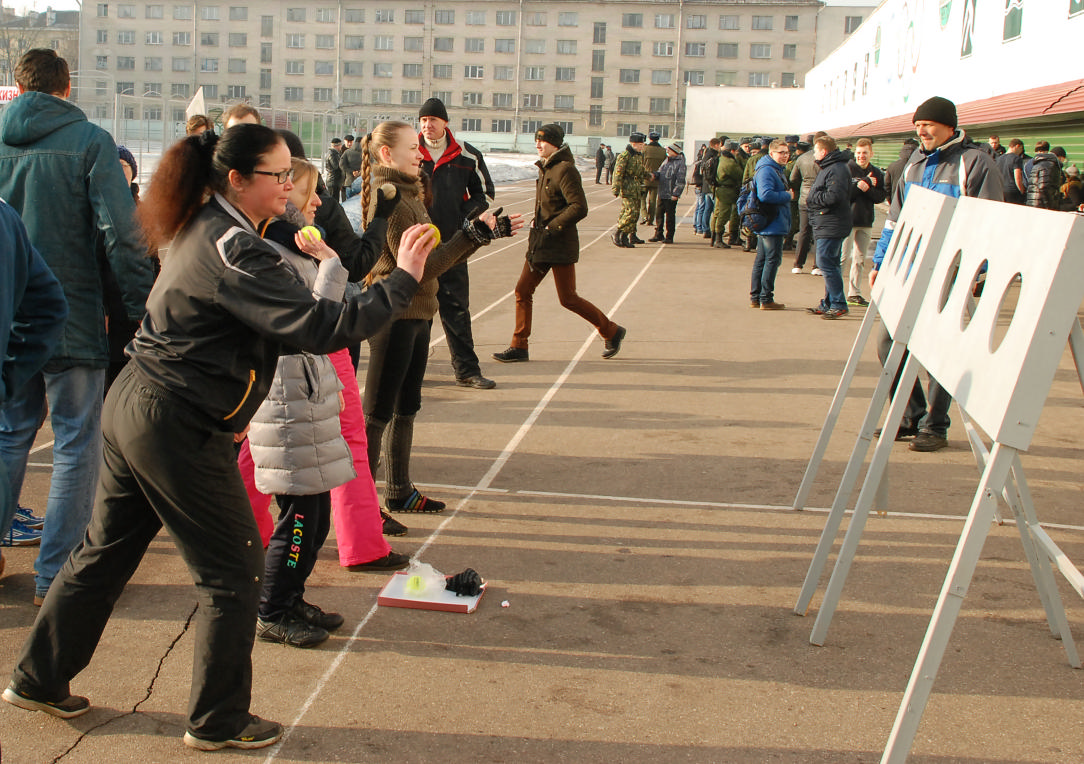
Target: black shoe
(315, 616)
(668, 241)
(904, 432)
(656, 238)
(477, 381)
(393, 527)
(258, 733)
(512, 355)
(627, 241)
(290, 630)
(618, 239)
(634, 239)
(927, 442)
(390, 561)
(613, 345)
(71, 706)
(415, 502)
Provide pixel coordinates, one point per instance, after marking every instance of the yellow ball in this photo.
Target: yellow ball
(436, 233)
(311, 232)
(414, 584)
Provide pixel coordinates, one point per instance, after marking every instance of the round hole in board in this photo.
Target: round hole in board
(1006, 312)
(974, 295)
(890, 253)
(950, 280)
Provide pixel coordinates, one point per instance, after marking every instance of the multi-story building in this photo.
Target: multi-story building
(502, 68)
(58, 30)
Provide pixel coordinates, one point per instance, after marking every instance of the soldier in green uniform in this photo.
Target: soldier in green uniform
(654, 156)
(628, 183)
(728, 175)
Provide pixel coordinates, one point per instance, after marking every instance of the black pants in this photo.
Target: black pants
(453, 297)
(397, 360)
(598, 172)
(304, 522)
(805, 237)
(164, 463)
(666, 217)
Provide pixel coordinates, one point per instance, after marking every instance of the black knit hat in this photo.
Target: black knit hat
(937, 109)
(434, 107)
(636, 138)
(551, 134)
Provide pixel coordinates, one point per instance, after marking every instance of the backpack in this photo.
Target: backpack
(752, 215)
(707, 174)
(1043, 184)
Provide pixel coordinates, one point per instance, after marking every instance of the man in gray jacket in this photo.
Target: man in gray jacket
(62, 175)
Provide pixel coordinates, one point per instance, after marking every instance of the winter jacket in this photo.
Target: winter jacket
(350, 162)
(610, 159)
(1007, 165)
(654, 156)
(1044, 179)
(600, 158)
(460, 182)
(671, 177)
(225, 307)
(629, 174)
(707, 167)
(803, 174)
(956, 168)
(863, 202)
(410, 211)
(32, 306)
(295, 437)
(333, 173)
(61, 174)
(829, 201)
(559, 204)
(770, 179)
(728, 175)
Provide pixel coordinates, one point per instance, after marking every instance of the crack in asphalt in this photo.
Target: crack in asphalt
(150, 689)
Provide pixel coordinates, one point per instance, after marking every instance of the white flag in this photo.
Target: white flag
(196, 105)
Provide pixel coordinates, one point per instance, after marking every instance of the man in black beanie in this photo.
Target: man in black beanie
(945, 156)
(461, 188)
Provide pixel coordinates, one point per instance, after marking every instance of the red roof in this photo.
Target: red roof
(1048, 101)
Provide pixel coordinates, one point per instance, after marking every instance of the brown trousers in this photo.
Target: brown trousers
(564, 278)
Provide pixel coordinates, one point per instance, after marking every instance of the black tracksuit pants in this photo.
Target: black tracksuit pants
(453, 297)
(302, 528)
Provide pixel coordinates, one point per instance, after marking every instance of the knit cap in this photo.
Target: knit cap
(551, 134)
(936, 109)
(433, 107)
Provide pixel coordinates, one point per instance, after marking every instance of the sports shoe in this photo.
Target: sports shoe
(29, 519)
(512, 355)
(816, 272)
(927, 442)
(393, 527)
(289, 629)
(477, 381)
(391, 561)
(613, 345)
(71, 706)
(834, 313)
(415, 502)
(858, 300)
(795, 270)
(315, 616)
(817, 310)
(258, 733)
(772, 306)
(20, 535)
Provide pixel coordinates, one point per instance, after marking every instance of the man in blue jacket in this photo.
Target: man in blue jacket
(32, 314)
(61, 174)
(773, 191)
(829, 206)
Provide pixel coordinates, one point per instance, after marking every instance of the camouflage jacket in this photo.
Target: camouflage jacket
(629, 173)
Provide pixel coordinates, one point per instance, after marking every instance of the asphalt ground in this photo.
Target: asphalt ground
(635, 515)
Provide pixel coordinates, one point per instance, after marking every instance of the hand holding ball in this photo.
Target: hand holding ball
(312, 233)
(436, 235)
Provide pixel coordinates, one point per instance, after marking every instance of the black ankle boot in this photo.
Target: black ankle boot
(634, 239)
(658, 235)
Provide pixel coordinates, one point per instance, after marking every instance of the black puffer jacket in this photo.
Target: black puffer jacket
(863, 202)
(829, 201)
(559, 204)
(461, 186)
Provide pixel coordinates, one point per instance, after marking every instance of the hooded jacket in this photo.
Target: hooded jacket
(829, 201)
(61, 175)
(770, 179)
(671, 178)
(559, 204)
(460, 184)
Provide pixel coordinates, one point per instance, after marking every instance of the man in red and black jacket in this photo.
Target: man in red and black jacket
(461, 188)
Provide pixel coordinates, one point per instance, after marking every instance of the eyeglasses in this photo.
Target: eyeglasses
(280, 177)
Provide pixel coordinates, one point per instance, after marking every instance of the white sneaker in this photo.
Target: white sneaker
(795, 270)
(816, 272)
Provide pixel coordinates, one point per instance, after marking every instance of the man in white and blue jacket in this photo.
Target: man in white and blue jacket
(950, 163)
(773, 191)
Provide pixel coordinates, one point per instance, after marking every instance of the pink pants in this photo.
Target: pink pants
(355, 508)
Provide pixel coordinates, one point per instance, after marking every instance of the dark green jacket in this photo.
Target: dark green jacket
(654, 156)
(559, 204)
(728, 177)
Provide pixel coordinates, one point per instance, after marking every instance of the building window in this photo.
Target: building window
(790, 51)
(103, 10)
(502, 126)
(664, 49)
(125, 63)
(354, 69)
(414, 44)
(265, 79)
(534, 46)
(209, 13)
(600, 33)
(354, 16)
(444, 17)
(660, 105)
(662, 77)
(729, 21)
(384, 42)
(504, 72)
(506, 18)
(208, 39)
(267, 26)
(153, 38)
(565, 126)
(101, 62)
(382, 69)
(533, 72)
(126, 38)
(238, 13)
(632, 20)
(152, 113)
(694, 77)
(598, 61)
(726, 78)
(566, 47)
(356, 42)
(412, 71)
(594, 115)
(630, 47)
(476, 18)
(152, 89)
(504, 45)
(235, 91)
(411, 97)
(471, 125)
(296, 15)
(125, 11)
(596, 87)
(788, 80)
(625, 129)
(236, 65)
(568, 19)
(728, 50)
(323, 68)
(325, 42)
(265, 52)
(125, 88)
(238, 40)
(760, 50)
(503, 100)
(265, 101)
(763, 23)
(353, 96)
(295, 67)
(758, 80)
(566, 74)
(293, 94)
(475, 45)
(851, 23)
(564, 102)
(385, 16)
(414, 17)
(536, 19)
(182, 64)
(532, 101)
(444, 44)
(102, 37)
(381, 95)
(628, 103)
(473, 72)
(664, 21)
(696, 21)
(182, 38)
(152, 64)
(442, 71)
(530, 126)
(295, 40)
(695, 49)
(662, 130)
(180, 90)
(629, 76)
(790, 23)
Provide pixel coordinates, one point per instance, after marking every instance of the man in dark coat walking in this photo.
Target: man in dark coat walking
(600, 162)
(830, 214)
(553, 244)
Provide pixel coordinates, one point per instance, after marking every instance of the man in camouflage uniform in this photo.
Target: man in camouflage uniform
(654, 156)
(628, 183)
(728, 175)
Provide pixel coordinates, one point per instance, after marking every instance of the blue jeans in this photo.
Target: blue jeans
(75, 410)
(696, 210)
(828, 254)
(703, 217)
(765, 266)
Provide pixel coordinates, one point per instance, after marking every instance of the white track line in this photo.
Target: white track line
(482, 485)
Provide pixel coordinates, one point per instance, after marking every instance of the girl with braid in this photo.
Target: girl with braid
(398, 353)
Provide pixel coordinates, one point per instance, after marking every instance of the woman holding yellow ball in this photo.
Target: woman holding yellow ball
(398, 354)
